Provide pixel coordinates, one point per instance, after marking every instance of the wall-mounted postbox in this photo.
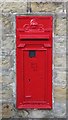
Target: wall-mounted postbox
(34, 62)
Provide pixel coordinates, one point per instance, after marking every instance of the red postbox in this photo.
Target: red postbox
(34, 62)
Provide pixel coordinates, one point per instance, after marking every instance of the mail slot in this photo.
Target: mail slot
(34, 62)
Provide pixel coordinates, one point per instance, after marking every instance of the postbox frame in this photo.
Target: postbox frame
(19, 98)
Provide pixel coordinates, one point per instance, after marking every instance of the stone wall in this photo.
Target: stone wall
(8, 11)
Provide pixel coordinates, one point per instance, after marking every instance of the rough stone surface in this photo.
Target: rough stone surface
(20, 113)
(48, 1)
(8, 43)
(60, 109)
(59, 78)
(60, 45)
(0, 111)
(7, 110)
(46, 7)
(0, 79)
(0, 66)
(60, 93)
(67, 94)
(8, 79)
(7, 93)
(7, 24)
(60, 60)
(60, 28)
(14, 7)
(8, 70)
(40, 114)
(7, 62)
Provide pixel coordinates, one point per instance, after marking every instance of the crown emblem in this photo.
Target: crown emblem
(33, 22)
(33, 26)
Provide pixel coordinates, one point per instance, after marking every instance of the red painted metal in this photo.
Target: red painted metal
(34, 62)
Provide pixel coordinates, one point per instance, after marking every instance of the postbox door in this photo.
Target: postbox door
(35, 69)
(34, 81)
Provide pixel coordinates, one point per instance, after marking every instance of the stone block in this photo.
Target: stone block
(14, 7)
(59, 78)
(7, 93)
(7, 79)
(7, 110)
(7, 24)
(60, 93)
(60, 45)
(20, 113)
(60, 60)
(60, 109)
(60, 26)
(47, 7)
(7, 63)
(40, 114)
(59, 101)
(8, 43)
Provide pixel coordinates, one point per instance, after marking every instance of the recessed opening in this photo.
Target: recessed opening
(32, 53)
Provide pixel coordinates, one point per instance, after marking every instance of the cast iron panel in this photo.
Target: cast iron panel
(34, 62)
